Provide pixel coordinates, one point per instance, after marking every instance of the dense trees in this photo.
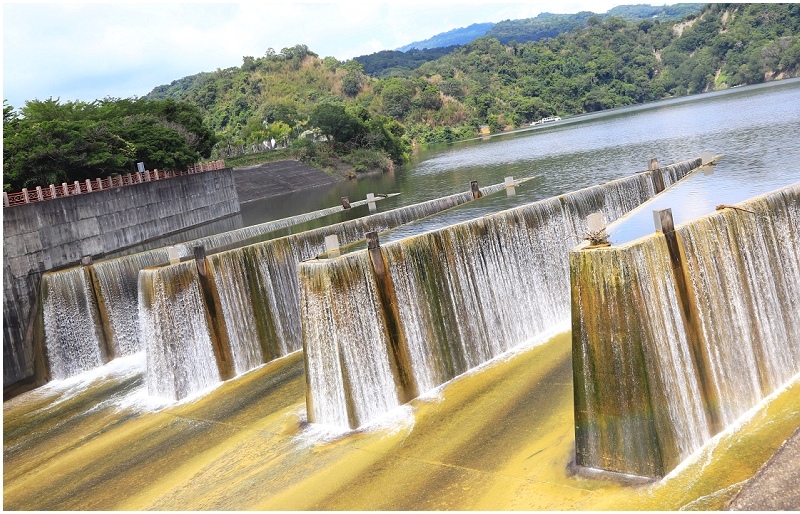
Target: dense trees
(610, 62)
(49, 142)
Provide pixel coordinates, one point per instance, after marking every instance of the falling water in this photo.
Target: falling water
(349, 375)
(74, 340)
(469, 292)
(744, 269)
(474, 290)
(664, 362)
(117, 281)
(258, 289)
(175, 325)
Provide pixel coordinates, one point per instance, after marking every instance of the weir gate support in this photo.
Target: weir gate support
(676, 335)
(461, 296)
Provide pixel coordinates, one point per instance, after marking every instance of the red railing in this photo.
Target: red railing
(80, 187)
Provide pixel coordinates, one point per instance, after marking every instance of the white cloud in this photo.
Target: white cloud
(79, 51)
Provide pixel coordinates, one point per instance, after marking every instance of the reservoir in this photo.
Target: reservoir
(756, 128)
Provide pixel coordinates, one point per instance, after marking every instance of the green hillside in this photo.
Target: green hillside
(396, 63)
(372, 122)
(401, 62)
(609, 63)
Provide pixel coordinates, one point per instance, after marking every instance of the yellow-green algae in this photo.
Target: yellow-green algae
(500, 437)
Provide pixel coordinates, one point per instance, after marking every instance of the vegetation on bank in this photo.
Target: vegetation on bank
(325, 111)
(48, 142)
(609, 63)
(320, 156)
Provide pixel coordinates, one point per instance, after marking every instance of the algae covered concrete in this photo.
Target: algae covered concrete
(43, 236)
(499, 437)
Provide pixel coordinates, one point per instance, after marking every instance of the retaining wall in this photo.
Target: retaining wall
(42, 236)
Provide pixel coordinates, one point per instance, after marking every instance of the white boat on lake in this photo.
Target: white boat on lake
(545, 120)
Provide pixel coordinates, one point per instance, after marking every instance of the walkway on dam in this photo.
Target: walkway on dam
(277, 178)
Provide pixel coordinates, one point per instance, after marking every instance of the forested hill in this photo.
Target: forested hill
(610, 63)
(486, 84)
(402, 61)
(551, 25)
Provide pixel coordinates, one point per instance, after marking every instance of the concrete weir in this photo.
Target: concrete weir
(54, 234)
(112, 287)
(677, 334)
(384, 325)
(252, 295)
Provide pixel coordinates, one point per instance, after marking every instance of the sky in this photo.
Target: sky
(88, 51)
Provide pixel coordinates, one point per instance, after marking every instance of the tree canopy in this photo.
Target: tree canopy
(607, 61)
(603, 62)
(49, 142)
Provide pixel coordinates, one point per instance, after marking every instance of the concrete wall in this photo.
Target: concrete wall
(42, 236)
(677, 334)
(278, 178)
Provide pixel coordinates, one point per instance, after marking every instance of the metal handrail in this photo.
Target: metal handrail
(80, 187)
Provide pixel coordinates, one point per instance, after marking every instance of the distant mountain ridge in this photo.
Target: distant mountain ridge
(460, 36)
(400, 62)
(548, 25)
(609, 63)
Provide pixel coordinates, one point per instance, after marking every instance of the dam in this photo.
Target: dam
(501, 435)
(114, 315)
(261, 420)
(387, 324)
(677, 334)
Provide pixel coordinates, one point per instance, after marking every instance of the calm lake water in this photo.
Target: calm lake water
(756, 128)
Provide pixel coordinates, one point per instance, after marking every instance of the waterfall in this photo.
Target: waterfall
(117, 283)
(349, 375)
(257, 287)
(177, 331)
(465, 294)
(74, 341)
(275, 287)
(472, 291)
(257, 291)
(744, 269)
(670, 348)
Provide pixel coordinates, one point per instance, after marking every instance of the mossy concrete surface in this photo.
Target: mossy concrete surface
(498, 437)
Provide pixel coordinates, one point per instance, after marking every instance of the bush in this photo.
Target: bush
(366, 159)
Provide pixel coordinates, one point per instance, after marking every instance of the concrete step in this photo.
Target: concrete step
(776, 486)
(277, 178)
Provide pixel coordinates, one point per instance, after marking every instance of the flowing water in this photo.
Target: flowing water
(255, 295)
(78, 313)
(73, 335)
(172, 310)
(695, 340)
(754, 127)
(744, 269)
(463, 294)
